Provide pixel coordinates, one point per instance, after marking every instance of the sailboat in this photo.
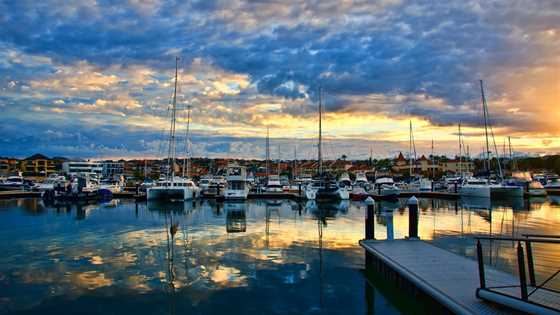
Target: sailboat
(499, 188)
(470, 186)
(170, 186)
(326, 187)
(417, 182)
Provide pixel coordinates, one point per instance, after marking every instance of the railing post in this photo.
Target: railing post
(480, 258)
(413, 218)
(522, 276)
(369, 224)
(530, 263)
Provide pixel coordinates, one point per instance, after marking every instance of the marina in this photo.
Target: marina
(258, 246)
(280, 157)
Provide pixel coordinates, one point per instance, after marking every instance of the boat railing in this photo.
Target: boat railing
(528, 290)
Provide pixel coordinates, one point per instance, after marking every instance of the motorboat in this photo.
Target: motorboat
(385, 186)
(175, 188)
(474, 187)
(237, 186)
(51, 182)
(285, 182)
(345, 181)
(273, 184)
(536, 189)
(552, 183)
(420, 184)
(204, 183)
(329, 189)
(14, 182)
(114, 186)
(361, 180)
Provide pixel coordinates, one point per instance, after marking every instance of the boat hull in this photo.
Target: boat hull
(169, 193)
(506, 191)
(475, 191)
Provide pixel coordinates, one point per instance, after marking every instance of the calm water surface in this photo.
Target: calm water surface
(273, 257)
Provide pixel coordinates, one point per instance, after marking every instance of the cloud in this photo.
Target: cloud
(248, 65)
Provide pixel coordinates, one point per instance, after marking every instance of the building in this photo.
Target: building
(112, 169)
(420, 166)
(456, 166)
(37, 165)
(8, 166)
(77, 167)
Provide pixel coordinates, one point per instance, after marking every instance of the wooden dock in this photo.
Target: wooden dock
(9, 194)
(449, 279)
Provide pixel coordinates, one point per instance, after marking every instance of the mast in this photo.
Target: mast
(410, 150)
(172, 150)
(186, 160)
(485, 114)
(460, 152)
(267, 150)
(295, 162)
(319, 148)
(432, 160)
(278, 165)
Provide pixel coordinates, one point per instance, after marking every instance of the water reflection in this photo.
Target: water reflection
(266, 256)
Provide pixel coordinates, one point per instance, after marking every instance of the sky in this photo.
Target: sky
(94, 79)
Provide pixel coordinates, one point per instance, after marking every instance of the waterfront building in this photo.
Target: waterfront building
(37, 165)
(112, 169)
(454, 166)
(77, 167)
(8, 166)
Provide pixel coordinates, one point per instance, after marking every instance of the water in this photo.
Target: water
(273, 257)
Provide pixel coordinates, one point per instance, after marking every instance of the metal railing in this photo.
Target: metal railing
(525, 265)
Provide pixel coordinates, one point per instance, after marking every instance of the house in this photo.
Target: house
(37, 165)
(8, 166)
(456, 166)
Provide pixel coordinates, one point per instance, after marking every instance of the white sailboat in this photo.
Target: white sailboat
(173, 187)
(417, 182)
(326, 188)
(500, 188)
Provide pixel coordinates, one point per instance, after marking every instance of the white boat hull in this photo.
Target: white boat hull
(168, 193)
(233, 194)
(475, 191)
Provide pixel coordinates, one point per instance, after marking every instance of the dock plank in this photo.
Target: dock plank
(449, 278)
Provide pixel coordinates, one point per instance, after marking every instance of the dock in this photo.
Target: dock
(9, 194)
(449, 279)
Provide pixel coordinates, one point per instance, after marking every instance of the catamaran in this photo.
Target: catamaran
(171, 186)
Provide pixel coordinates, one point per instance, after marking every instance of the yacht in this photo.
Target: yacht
(14, 182)
(345, 180)
(113, 186)
(420, 184)
(361, 180)
(237, 186)
(536, 189)
(273, 184)
(474, 187)
(385, 186)
(329, 189)
(552, 183)
(205, 182)
(174, 188)
(50, 182)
